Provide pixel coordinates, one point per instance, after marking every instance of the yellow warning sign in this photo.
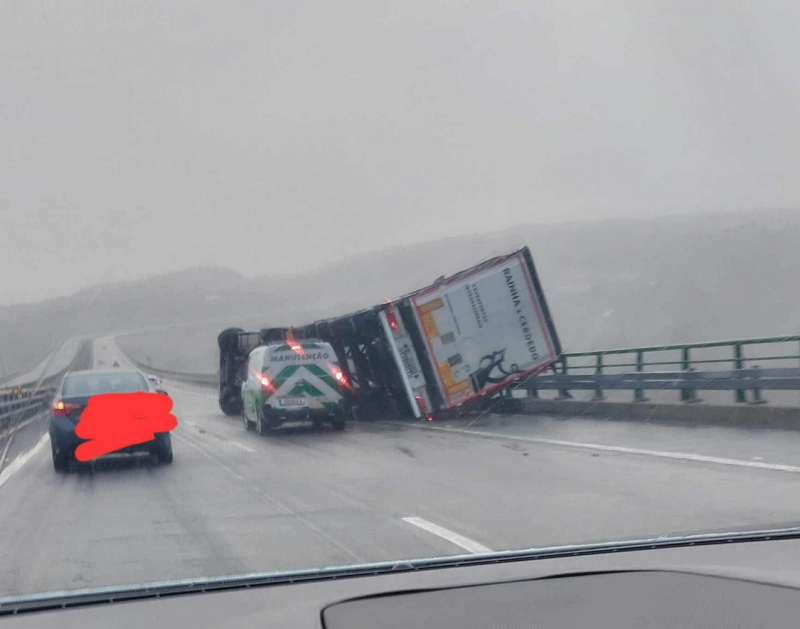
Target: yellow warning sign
(432, 305)
(429, 323)
(447, 375)
(458, 387)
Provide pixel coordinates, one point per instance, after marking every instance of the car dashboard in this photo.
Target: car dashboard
(751, 581)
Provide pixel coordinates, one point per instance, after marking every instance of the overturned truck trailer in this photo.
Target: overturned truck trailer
(457, 342)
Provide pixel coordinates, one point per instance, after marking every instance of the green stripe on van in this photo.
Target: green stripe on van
(305, 387)
(284, 374)
(322, 375)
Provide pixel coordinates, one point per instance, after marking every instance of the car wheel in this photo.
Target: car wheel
(61, 460)
(164, 450)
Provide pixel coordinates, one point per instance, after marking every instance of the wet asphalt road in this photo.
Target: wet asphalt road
(235, 502)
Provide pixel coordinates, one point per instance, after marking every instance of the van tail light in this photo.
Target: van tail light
(266, 383)
(63, 409)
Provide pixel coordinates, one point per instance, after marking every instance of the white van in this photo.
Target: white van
(293, 381)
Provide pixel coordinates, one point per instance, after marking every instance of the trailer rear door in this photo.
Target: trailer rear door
(486, 327)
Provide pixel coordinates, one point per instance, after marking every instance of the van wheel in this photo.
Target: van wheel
(338, 422)
(248, 425)
(261, 424)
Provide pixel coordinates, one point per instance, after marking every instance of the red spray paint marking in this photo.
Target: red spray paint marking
(113, 421)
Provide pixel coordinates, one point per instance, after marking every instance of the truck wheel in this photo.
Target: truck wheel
(226, 336)
(230, 403)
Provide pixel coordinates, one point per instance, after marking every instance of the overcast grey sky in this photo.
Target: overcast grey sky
(141, 136)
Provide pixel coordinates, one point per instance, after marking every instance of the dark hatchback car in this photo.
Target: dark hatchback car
(72, 398)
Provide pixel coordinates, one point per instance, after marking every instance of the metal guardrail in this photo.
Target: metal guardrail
(687, 381)
(632, 375)
(17, 406)
(28, 404)
(27, 400)
(205, 379)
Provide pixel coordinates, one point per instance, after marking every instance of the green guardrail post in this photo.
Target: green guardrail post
(598, 370)
(638, 394)
(533, 392)
(687, 394)
(564, 394)
(738, 363)
(757, 399)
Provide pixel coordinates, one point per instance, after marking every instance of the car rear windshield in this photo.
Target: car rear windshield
(84, 385)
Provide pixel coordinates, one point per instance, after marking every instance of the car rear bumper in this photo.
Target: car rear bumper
(63, 437)
(62, 434)
(277, 416)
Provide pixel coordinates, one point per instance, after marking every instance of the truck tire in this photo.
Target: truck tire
(230, 403)
(225, 337)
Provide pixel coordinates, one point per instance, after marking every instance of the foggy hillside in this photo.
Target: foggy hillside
(609, 283)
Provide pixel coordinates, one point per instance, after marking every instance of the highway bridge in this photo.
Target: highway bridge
(235, 502)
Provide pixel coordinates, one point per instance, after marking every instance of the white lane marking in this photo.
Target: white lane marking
(451, 536)
(241, 446)
(684, 456)
(22, 459)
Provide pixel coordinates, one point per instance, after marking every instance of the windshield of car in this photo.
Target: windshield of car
(533, 266)
(85, 385)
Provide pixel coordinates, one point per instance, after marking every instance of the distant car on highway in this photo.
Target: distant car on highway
(155, 381)
(71, 399)
(115, 363)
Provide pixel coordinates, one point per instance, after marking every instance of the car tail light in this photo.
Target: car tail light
(63, 409)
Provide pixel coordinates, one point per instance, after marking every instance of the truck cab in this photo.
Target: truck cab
(293, 381)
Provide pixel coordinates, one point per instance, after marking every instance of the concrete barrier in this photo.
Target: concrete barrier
(741, 416)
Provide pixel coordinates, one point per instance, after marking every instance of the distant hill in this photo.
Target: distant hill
(609, 283)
